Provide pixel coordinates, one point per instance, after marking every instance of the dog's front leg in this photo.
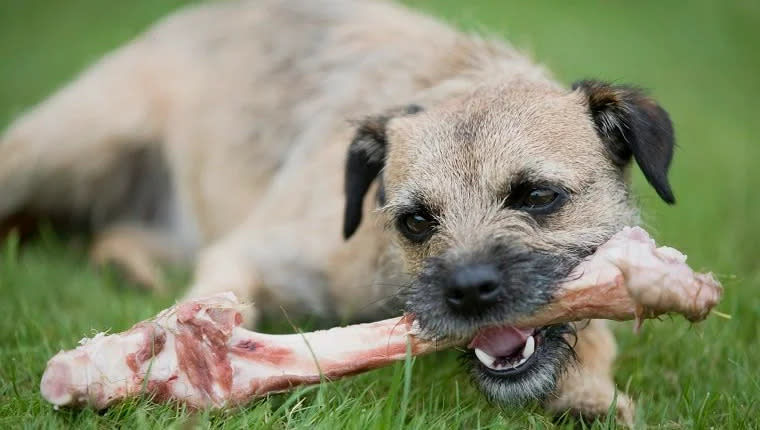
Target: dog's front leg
(223, 267)
(588, 389)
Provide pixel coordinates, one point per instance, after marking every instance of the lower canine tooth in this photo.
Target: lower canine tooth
(485, 358)
(530, 347)
(415, 330)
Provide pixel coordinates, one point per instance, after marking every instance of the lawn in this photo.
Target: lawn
(701, 61)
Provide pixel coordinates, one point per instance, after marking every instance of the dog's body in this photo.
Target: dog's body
(220, 136)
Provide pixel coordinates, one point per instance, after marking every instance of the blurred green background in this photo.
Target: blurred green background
(700, 59)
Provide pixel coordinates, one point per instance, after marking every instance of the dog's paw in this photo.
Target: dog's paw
(592, 401)
(248, 310)
(136, 268)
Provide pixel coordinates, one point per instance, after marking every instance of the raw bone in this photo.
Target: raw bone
(197, 353)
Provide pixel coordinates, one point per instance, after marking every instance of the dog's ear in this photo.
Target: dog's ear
(630, 123)
(366, 158)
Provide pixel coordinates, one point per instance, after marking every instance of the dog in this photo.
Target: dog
(237, 135)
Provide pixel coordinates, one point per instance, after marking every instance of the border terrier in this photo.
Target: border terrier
(236, 135)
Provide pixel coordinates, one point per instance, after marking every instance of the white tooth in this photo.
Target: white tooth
(530, 347)
(519, 363)
(485, 358)
(415, 330)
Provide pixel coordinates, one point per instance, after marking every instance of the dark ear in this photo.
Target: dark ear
(630, 123)
(366, 158)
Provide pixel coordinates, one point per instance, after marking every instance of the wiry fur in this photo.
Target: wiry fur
(528, 281)
(245, 110)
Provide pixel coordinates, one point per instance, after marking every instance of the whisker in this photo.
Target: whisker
(396, 292)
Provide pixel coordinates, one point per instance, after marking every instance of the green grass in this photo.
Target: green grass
(699, 58)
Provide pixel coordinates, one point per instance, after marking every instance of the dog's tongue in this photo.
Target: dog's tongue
(500, 341)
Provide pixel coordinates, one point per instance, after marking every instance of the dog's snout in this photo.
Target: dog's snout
(473, 288)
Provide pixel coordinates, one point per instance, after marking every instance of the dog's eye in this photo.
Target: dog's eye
(417, 227)
(540, 197)
(541, 200)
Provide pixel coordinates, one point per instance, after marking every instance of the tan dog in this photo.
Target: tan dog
(220, 136)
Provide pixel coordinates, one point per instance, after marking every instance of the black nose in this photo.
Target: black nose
(473, 288)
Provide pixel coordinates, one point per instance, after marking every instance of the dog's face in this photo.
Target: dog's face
(493, 197)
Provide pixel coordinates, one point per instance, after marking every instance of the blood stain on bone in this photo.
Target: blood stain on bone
(153, 346)
(264, 352)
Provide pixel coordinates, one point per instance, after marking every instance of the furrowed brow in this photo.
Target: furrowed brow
(411, 202)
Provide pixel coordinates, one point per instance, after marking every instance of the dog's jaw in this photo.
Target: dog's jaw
(522, 376)
(535, 378)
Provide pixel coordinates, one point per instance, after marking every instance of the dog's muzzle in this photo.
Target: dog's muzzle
(475, 297)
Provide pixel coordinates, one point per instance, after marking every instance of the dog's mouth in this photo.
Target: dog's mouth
(513, 365)
(506, 350)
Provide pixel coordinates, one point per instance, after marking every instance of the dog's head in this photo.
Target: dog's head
(494, 196)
